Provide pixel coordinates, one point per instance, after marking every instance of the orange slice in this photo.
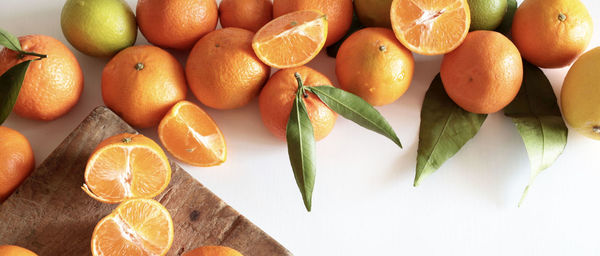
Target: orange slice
(136, 227)
(126, 166)
(430, 27)
(190, 135)
(291, 40)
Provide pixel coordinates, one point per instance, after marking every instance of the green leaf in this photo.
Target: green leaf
(445, 129)
(9, 41)
(537, 116)
(10, 85)
(332, 50)
(507, 21)
(355, 109)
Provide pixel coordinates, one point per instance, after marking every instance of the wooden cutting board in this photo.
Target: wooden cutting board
(51, 215)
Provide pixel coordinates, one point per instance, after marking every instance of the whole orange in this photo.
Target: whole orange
(277, 98)
(176, 24)
(552, 33)
(141, 83)
(16, 161)
(246, 14)
(372, 64)
(213, 251)
(53, 85)
(223, 71)
(13, 250)
(484, 74)
(339, 14)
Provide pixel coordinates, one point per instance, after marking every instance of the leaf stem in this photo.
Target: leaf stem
(301, 87)
(22, 54)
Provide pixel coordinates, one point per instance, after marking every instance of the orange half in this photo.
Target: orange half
(430, 27)
(136, 227)
(291, 40)
(190, 135)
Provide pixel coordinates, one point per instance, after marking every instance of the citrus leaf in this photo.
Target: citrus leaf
(537, 116)
(332, 50)
(507, 21)
(445, 129)
(355, 109)
(9, 41)
(10, 85)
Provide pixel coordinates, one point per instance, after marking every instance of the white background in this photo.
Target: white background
(364, 202)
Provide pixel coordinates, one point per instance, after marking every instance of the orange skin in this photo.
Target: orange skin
(547, 41)
(142, 97)
(372, 64)
(339, 14)
(246, 14)
(484, 74)
(13, 250)
(16, 161)
(213, 251)
(176, 24)
(277, 98)
(223, 71)
(53, 85)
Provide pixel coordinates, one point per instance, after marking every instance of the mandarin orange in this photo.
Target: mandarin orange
(16, 161)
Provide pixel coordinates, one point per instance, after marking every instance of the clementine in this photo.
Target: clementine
(213, 251)
(13, 250)
(246, 14)
(16, 161)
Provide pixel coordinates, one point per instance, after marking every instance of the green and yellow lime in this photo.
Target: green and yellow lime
(374, 13)
(487, 14)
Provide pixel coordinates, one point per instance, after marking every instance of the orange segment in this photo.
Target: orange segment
(190, 135)
(126, 166)
(136, 227)
(291, 40)
(430, 27)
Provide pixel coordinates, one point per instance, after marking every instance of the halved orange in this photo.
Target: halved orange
(190, 135)
(291, 40)
(136, 227)
(126, 166)
(430, 27)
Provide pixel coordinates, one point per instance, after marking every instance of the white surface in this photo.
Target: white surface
(364, 202)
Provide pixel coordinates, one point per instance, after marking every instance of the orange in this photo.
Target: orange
(223, 71)
(372, 64)
(16, 161)
(141, 83)
(13, 250)
(430, 27)
(484, 74)
(190, 135)
(213, 251)
(291, 40)
(246, 14)
(277, 98)
(339, 14)
(126, 166)
(552, 33)
(52, 86)
(176, 24)
(140, 227)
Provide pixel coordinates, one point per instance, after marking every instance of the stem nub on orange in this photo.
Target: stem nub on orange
(16, 161)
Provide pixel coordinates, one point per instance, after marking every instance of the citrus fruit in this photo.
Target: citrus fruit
(484, 74)
(223, 71)
(372, 64)
(98, 27)
(430, 27)
(581, 93)
(176, 24)
(246, 14)
(141, 83)
(13, 250)
(16, 161)
(126, 166)
(291, 40)
(53, 85)
(552, 33)
(338, 12)
(277, 98)
(213, 251)
(190, 135)
(487, 14)
(136, 227)
(374, 13)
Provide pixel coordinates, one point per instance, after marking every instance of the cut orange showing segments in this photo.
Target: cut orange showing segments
(430, 27)
(126, 166)
(136, 227)
(291, 40)
(190, 135)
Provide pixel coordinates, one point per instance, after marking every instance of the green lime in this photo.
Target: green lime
(487, 14)
(98, 27)
(374, 13)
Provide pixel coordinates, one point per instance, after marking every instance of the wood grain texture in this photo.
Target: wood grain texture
(51, 215)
